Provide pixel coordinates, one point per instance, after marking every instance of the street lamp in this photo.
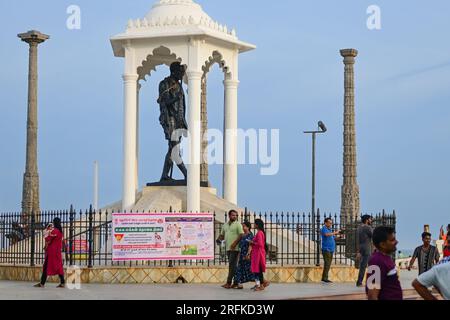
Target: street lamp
(322, 129)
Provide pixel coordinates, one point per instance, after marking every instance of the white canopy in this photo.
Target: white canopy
(179, 30)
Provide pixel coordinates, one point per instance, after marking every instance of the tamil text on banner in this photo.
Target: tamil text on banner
(138, 237)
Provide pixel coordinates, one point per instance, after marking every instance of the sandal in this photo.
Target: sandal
(61, 286)
(39, 285)
(227, 286)
(260, 288)
(266, 284)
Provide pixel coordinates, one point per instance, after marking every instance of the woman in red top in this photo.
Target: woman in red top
(258, 256)
(53, 264)
(447, 244)
(447, 251)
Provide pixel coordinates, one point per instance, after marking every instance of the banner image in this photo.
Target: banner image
(80, 247)
(149, 236)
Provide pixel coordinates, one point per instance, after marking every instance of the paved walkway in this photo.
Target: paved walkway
(12, 290)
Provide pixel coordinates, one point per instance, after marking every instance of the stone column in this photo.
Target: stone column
(204, 172)
(230, 140)
(194, 126)
(30, 195)
(129, 141)
(350, 189)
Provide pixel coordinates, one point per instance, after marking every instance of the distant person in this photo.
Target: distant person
(53, 264)
(232, 233)
(447, 251)
(426, 254)
(446, 239)
(438, 277)
(244, 273)
(328, 247)
(382, 278)
(364, 246)
(444, 235)
(258, 256)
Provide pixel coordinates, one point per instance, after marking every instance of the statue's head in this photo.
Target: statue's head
(177, 70)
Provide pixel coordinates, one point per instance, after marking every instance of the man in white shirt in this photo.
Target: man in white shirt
(438, 277)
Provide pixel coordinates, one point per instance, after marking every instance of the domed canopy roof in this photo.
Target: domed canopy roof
(169, 9)
(175, 18)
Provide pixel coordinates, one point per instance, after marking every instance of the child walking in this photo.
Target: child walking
(258, 256)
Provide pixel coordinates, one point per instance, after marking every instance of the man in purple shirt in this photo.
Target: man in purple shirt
(382, 276)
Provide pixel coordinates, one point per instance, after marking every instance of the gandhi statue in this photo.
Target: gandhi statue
(172, 105)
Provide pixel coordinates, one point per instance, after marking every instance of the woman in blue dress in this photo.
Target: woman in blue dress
(244, 273)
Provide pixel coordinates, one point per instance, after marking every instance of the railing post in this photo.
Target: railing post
(33, 238)
(71, 219)
(90, 237)
(318, 239)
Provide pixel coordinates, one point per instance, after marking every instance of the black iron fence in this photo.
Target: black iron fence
(293, 238)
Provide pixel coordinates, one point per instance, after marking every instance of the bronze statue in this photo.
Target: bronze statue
(172, 105)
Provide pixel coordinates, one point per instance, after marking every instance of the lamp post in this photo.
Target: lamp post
(322, 129)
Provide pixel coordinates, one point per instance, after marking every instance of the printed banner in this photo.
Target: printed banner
(80, 248)
(165, 236)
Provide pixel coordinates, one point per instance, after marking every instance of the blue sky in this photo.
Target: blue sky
(292, 80)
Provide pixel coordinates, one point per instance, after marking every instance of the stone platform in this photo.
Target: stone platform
(160, 198)
(191, 275)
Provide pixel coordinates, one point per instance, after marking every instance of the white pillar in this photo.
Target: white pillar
(129, 141)
(230, 176)
(194, 124)
(138, 88)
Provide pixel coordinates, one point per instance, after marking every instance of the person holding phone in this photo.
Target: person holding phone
(328, 247)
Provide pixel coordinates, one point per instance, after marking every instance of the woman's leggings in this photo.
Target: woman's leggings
(44, 274)
(260, 277)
